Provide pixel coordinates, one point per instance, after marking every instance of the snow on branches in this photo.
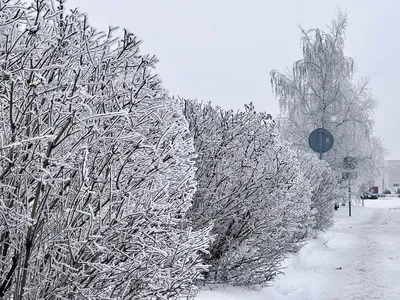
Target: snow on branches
(324, 189)
(99, 198)
(251, 189)
(97, 165)
(321, 91)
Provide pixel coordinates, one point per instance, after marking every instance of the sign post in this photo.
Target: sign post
(349, 196)
(349, 164)
(320, 140)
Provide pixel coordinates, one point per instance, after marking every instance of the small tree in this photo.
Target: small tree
(320, 92)
(250, 188)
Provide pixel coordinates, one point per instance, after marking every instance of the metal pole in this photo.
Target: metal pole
(349, 197)
(321, 144)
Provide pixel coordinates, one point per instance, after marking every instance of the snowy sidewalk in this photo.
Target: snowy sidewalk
(359, 259)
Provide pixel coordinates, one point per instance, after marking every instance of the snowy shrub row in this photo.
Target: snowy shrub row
(261, 197)
(97, 172)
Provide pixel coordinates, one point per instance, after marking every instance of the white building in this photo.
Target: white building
(390, 179)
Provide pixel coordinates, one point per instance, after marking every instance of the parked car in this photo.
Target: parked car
(387, 192)
(368, 195)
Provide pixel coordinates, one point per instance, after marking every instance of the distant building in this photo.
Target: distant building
(390, 179)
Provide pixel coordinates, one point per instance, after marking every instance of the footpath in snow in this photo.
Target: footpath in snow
(358, 259)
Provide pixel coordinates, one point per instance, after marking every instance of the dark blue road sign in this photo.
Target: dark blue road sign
(320, 140)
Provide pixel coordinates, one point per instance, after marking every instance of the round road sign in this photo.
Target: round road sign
(320, 140)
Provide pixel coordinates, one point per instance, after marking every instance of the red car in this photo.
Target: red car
(374, 190)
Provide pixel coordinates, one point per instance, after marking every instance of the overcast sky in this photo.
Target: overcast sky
(223, 50)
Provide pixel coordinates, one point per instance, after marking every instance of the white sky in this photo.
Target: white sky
(223, 50)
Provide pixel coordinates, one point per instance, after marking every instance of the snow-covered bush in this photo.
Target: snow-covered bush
(324, 189)
(251, 188)
(96, 165)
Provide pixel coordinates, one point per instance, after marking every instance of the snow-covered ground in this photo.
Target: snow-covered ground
(358, 259)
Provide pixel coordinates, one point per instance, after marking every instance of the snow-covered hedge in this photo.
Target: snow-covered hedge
(251, 188)
(324, 189)
(97, 165)
(97, 172)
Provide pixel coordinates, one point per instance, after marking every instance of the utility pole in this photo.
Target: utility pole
(321, 144)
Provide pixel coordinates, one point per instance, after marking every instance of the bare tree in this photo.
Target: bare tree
(320, 91)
